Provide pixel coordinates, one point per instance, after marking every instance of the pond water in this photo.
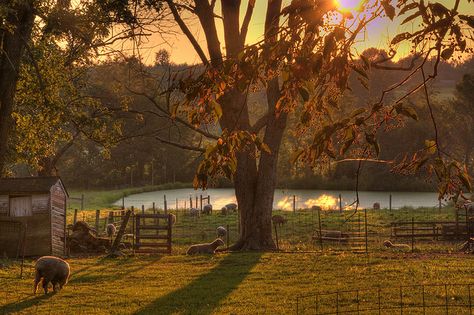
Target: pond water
(327, 199)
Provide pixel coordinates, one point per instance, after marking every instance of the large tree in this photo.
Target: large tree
(302, 64)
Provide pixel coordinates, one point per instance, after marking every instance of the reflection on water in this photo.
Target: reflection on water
(283, 199)
(326, 202)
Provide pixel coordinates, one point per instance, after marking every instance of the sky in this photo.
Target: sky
(378, 34)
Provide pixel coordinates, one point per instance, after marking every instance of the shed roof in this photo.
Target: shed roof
(21, 185)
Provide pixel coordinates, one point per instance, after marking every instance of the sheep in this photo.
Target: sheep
(278, 220)
(221, 231)
(111, 230)
(207, 209)
(206, 248)
(376, 206)
(231, 207)
(51, 269)
(389, 244)
(173, 218)
(224, 210)
(194, 212)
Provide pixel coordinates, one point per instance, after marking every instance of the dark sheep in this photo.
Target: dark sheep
(278, 220)
(51, 269)
(231, 207)
(111, 230)
(207, 209)
(224, 210)
(207, 248)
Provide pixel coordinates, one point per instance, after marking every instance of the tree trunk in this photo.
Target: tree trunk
(21, 17)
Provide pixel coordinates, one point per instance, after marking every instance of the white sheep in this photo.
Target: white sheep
(221, 231)
(207, 248)
(389, 244)
(51, 269)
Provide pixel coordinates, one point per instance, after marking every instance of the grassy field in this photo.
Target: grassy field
(230, 283)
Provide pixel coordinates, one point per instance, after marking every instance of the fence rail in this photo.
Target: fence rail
(411, 299)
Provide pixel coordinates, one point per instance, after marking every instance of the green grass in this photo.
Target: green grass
(238, 283)
(99, 199)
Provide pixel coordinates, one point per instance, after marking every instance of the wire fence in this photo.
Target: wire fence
(411, 299)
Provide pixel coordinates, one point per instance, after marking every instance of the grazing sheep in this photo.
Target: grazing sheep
(278, 220)
(231, 207)
(194, 212)
(221, 231)
(207, 209)
(376, 206)
(389, 244)
(224, 210)
(51, 269)
(207, 248)
(111, 230)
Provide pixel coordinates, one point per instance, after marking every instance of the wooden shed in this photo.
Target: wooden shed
(32, 209)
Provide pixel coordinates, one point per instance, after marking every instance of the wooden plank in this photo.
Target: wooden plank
(153, 237)
(152, 216)
(153, 227)
(141, 245)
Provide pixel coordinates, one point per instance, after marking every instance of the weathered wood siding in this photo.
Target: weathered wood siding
(58, 219)
(3, 205)
(40, 204)
(38, 236)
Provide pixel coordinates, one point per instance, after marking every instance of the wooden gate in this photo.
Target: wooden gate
(153, 233)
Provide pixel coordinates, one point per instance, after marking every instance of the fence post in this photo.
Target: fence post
(143, 209)
(340, 203)
(82, 202)
(366, 233)
(390, 202)
(165, 204)
(294, 203)
(154, 208)
(320, 232)
(276, 236)
(200, 202)
(74, 218)
(190, 202)
(123, 202)
(177, 204)
(439, 205)
(412, 234)
(97, 218)
(197, 202)
(228, 235)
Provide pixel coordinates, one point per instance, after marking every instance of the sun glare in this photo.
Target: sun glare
(348, 5)
(326, 202)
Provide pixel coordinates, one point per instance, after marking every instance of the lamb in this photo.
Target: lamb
(278, 220)
(111, 230)
(207, 209)
(221, 231)
(194, 212)
(231, 207)
(51, 269)
(207, 248)
(389, 244)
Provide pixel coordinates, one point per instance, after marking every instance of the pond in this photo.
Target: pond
(284, 199)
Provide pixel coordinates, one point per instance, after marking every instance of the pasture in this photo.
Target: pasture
(227, 283)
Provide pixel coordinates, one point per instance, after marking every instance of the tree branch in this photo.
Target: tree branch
(246, 21)
(180, 145)
(187, 32)
(260, 123)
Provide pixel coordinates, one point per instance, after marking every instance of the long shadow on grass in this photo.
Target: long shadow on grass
(22, 304)
(204, 294)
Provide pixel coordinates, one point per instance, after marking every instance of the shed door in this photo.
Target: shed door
(20, 206)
